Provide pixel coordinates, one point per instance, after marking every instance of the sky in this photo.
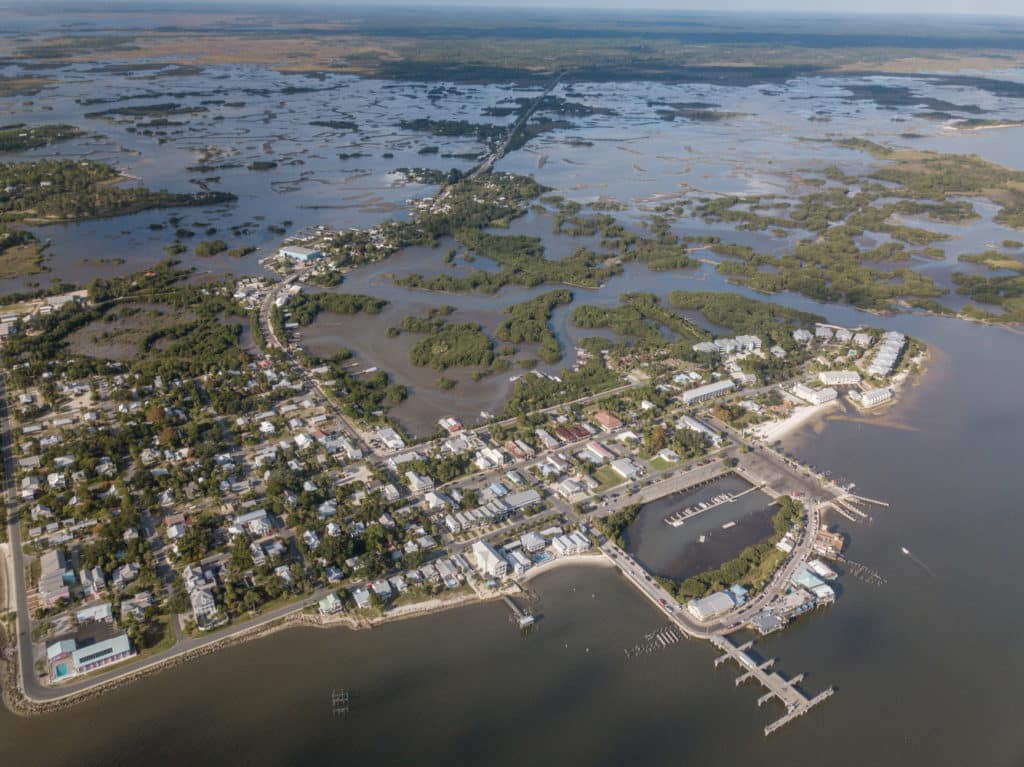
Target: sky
(974, 7)
(996, 7)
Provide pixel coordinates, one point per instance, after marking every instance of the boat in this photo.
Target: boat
(905, 550)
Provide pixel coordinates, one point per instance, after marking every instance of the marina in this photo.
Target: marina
(679, 518)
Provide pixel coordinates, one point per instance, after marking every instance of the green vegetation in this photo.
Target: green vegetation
(1005, 292)
(20, 137)
(362, 396)
(66, 47)
(523, 262)
(211, 247)
(872, 148)
(342, 125)
(533, 392)
(614, 525)
(754, 565)
(305, 307)
(640, 316)
(204, 340)
(993, 260)
(431, 323)
(67, 190)
(830, 269)
(20, 253)
(528, 323)
(453, 345)
(662, 252)
(773, 323)
(155, 111)
(482, 132)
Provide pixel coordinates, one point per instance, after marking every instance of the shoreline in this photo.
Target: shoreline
(16, 702)
(771, 431)
(588, 560)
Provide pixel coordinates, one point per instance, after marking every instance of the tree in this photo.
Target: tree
(656, 440)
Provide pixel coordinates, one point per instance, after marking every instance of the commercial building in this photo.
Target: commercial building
(299, 254)
(814, 396)
(54, 577)
(708, 391)
(839, 377)
(711, 606)
(98, 654)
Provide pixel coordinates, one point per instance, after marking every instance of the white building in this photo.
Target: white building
(299, 254)
(419, 483)
(708, 391)
(711, 606)
(887, 353)
(626, 468)
(532, 542)
(839, 377)
(814, 396)
(391, 439)
(875, 397)
(488, 561)
(688, 422)
(802, 336)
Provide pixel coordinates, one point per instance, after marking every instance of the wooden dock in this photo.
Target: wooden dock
(784, 690)
(680, 517)
(521, 617)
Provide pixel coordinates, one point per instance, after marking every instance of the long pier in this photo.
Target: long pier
(523, 618)
(784, 690)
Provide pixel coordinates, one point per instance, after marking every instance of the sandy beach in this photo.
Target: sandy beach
(801, 416)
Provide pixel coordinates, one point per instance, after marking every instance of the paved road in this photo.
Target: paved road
(497, 154)
(310, 380)
(14, 538)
